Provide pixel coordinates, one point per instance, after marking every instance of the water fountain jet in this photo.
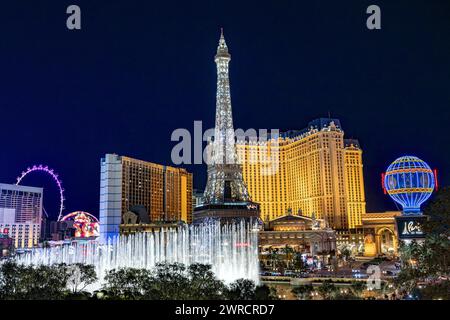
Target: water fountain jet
(231, 249)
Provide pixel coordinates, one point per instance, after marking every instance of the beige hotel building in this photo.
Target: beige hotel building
(312, 171)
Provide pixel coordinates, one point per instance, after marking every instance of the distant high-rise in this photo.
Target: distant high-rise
(317, 172)
(126, 183)
(21, 213)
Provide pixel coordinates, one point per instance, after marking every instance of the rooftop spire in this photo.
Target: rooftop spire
(222, 49)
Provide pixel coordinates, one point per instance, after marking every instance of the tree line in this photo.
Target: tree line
(167, 281)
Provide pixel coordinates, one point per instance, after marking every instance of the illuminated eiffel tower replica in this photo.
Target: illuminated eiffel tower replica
(226, 196)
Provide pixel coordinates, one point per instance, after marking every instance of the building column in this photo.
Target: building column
(378, 243)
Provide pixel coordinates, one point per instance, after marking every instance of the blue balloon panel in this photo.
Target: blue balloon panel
(410, 182)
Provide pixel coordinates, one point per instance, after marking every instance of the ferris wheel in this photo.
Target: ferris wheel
(52, 173)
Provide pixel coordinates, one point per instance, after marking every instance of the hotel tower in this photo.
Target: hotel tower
(313, 171)
(165, 192)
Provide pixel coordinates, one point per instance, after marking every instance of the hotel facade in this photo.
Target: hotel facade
(127, 184)
(21, 214)
(312, 171)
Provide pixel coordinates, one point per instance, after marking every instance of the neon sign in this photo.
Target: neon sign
(410, 227)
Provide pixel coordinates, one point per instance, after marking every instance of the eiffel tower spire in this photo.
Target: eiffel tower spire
(225, 183)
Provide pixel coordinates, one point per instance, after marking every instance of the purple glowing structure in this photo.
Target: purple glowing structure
(55, 178)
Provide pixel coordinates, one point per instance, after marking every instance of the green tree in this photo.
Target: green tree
(80, 276)
(265, 292)
(273, 257)
(288, 252)
(298, 262)
(303, 292)
(47, 282)
(126, 283)
(241, 289)
(169, 281)
(166, 281)
(32, 283)
(345, 254)
(327, 289)
(428, 260)
(10, 274)
(438, 212)
(345, 294)
(204, 284)
(357, 287)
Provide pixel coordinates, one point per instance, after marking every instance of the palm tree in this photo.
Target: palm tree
(273, 256)
(288, 252)
(298, 261)
(357, 287)
(327, 290)
(345, 254)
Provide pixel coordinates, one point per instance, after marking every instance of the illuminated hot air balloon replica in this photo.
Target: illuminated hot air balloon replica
(409, 181)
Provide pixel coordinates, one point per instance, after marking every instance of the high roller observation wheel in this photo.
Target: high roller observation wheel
(52, 173)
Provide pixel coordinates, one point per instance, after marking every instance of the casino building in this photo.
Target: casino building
(313, 171)
(303, 234)
(377, 235)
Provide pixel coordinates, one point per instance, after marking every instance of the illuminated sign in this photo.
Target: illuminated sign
(4, 233)
(410, 227)
(242, 244)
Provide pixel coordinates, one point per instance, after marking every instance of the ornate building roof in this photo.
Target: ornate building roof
(291, 222)
(381, 215)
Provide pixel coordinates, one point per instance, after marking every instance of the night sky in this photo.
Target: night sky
(137, 70)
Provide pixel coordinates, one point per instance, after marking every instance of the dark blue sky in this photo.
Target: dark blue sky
(139, 69)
